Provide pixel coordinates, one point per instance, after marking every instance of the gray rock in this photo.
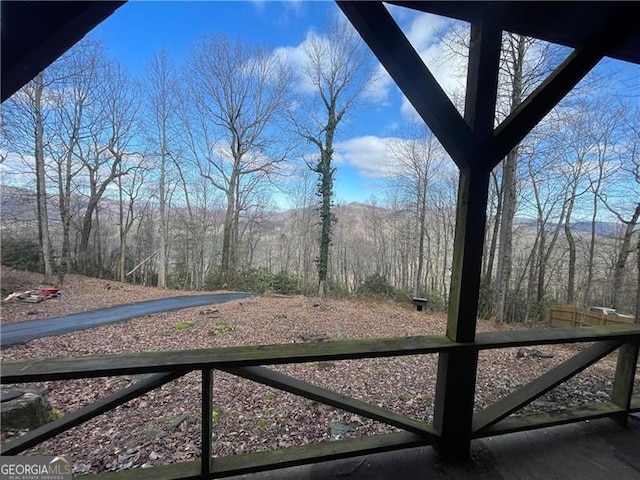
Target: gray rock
(525, 352)
(24, 408)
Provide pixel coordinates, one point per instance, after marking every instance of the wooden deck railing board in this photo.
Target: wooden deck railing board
(72, 419)
(274, 459)
(228, 357)
(554, 336)
(333, 399)
(256, 355)
(521, 423)
(247, 362)
(541, 385)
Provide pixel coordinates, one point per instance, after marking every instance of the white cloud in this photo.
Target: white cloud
(368, 155)
(424, 32)
(294, 56)
(378, 90)
(423, 28)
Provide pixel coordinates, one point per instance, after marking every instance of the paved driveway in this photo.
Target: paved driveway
(22, 332)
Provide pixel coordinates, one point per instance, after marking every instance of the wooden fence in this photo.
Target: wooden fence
(574, 316)
(249, 362)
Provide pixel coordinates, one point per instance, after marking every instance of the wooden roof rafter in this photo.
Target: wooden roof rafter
(470, 147)
(559, 83)
(387, 41)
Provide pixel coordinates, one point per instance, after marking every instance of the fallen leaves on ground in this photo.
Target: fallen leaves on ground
(163, 426)
(77, 294)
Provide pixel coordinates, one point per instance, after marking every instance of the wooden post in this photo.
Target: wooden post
(455, 387)
(624, 379)
(207, 421)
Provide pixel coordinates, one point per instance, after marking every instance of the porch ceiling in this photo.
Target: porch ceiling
(36, 33)
(565, 23)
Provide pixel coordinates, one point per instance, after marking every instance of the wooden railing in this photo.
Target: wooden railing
(249, 362)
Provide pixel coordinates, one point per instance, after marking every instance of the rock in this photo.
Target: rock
(24, 408)
(339, 431)
(184, 418)
(525, 352)
(154, 433)
(320, 337)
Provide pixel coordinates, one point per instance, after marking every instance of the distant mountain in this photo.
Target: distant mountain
(602, 228)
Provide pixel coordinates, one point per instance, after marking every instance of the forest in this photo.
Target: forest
(218, 173)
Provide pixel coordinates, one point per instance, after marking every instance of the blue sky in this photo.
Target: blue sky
(137, 30)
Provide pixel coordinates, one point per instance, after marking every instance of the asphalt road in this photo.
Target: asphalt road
(22, 332)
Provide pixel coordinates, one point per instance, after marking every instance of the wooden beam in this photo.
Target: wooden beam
(271, 460)
(554, 336)
(35, 34)
(153, 362)
(149, 362)
(625, 378)
(387, 41)
(333, 399)
(521, 423)
(455, 385)
(207, 421)
(565, 77)
(482, 83)
(541, 385)
(468, 244)
(315, 453)
(453, 409)
(73, 419)
(172, 471)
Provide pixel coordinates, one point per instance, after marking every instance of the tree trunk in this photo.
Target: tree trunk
(571, 281)
(421, 234)
(509, 188)
(506, 234)
(162, 230)
(325, 192)
(618, 273)
(227, 233)
(638, 284)
(592, 251)
(85, 236)
(41, 186)
(488, 274)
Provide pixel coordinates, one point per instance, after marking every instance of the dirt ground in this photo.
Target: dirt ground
(163, 426)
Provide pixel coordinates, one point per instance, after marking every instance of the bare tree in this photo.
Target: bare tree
(576, 154)
(237, 94)
(419, 159)
(516, 51)
(76, 108)
(547, 194)
(339, 69)
(129, 189)
(601, 134)
(109, 140)
(625, 196)
(25, 132)
(162, 90)
(36, 90)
